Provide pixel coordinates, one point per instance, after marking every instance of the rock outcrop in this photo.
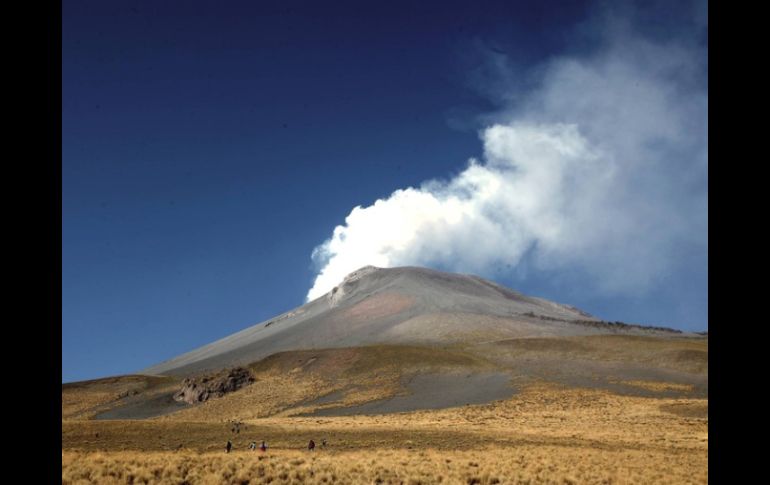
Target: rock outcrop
(201, 388)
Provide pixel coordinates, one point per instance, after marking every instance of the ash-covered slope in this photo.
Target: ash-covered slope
(407, 305)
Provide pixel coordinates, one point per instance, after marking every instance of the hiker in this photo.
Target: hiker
(311, 445)
(253, 445)
(228, 446)
(263, 446)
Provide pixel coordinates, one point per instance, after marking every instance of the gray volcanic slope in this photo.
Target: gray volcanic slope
(407, 305)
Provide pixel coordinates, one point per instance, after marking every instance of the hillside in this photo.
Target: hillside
(397, 306)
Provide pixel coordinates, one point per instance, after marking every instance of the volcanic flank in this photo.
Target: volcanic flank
(407, 305)
(400, 339)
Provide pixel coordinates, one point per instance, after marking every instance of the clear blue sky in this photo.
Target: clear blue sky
(209, 147)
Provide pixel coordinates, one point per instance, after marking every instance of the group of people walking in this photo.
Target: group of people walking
(253, 446)
(263, 446)
(235, 427)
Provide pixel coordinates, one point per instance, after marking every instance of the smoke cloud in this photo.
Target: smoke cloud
(601, 169)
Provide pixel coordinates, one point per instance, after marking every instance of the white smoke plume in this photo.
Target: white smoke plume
(603, 169)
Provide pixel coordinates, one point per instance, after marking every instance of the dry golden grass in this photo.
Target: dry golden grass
(545, 434)
(364, 373)
(659, 386)
(81, 400)
(489, 465)
(675, 353)
(269, 395)
(289, 382)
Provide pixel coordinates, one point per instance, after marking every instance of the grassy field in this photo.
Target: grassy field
(489, 465)
(547, 432)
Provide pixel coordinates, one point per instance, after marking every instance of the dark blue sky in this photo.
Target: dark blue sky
(208, 147)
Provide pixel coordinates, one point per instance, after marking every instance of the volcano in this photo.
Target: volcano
(390, 340)
(403, 306)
